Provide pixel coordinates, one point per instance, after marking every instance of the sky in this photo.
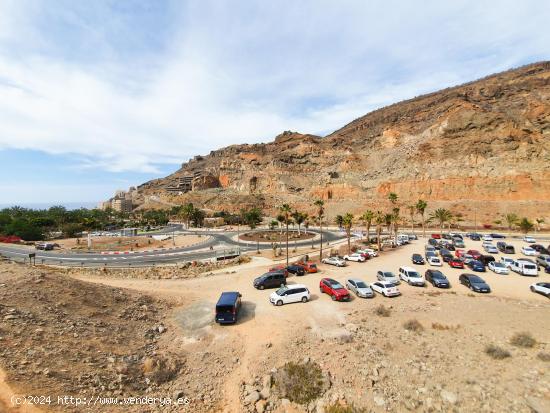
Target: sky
(102, 95)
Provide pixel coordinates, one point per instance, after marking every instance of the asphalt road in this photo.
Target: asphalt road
(222, 244)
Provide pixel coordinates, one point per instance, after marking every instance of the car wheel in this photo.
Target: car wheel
(279, 303)
(532, 289)
(333, 297)
(321, 290)
(261, 287)
(304, 299)
(471, 288)
(282, 284)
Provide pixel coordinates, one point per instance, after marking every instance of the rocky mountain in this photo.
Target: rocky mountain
(482, 148)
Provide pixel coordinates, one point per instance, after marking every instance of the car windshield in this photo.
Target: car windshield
(498, 264)
(282, 290)
(414, 274)
(437, 275)
(361, 284)
(529, 267)
(389, 285)
(336, 285)
(388, 274)
(476, 280)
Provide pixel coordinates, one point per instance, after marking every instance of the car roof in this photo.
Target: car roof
(408, 268)
(296, 286)
(228, 298)
(356, 280)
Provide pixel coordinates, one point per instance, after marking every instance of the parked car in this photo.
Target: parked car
(437, 279)
(543, 261)
(359, 287)
(466, 258)
(498, 268)
(459, 253)
(272, 279)
(541, 288)
(487, 237)
(491, 249)
(497, 236)
(524, 268)
(433, 242)
(309, 267)
(280, 268)
(449, 246)
(436, 236)
(387, 289)
(529, 239)
(336, 261)
(434, 261)
(430, 254)
(447, 257)
(355, 257)
(412, 237)
(505, 248)
(456, 263)
(387, 276)
(411, 276)
(368, 252)
(417, 259)
(296, 270)
(486, 259)
(476, 265)
(475, 237)
(540, 249)
(528, 251)
(506, 261)
(474, 283)
(458, 243)
(45, 246)
(294, 293)
(227, 307)
(474, 253)
(334, 289)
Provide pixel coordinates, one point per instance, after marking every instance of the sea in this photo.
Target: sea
(46, 205)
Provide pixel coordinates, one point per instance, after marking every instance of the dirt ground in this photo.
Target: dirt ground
(128, 243)
(438, 365)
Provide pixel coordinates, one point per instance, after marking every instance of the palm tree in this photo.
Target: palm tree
(392, 196)
(281, 220)
(306, 221)
(442, 215)
(412, 211)
(379, 220)
(186, 213)
(395, 221)
(339, 221)
(347, 223)
(511, 220)
(525, 225)
(286, 211)
(421, 206)
(367, 218)
(299, 218)
(320, 213)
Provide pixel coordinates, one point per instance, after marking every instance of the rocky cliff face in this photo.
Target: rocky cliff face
(483, 146)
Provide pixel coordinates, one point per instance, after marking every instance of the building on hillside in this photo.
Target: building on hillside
(122, 204)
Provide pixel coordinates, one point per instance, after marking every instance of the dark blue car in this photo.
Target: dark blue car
(476, 265)
(227, 307)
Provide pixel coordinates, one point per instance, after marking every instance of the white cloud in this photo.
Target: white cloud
(242, 73)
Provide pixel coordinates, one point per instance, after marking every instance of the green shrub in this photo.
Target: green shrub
(496, 352)
(523, 339)
(300, 382)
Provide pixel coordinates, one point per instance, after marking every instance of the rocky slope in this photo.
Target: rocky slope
(482, 146)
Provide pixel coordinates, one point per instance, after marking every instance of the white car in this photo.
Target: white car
(486, 237)
(529, 239)
(338, 262)
(387, 289)
(528, 251)
(354, 257)
(498, 268)
(411, 276)
(436, 262)
(491, 249)
(292, 293)
(486, 243)
(387, 276)
(507, 261)
(541, 288)
(359, 287)
(368, 251)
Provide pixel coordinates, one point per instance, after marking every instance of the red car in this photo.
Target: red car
(459, 253)
(456, 263)
(309, 266)
(280, 268)
(333, 288)
(476, 255)
(436, 236)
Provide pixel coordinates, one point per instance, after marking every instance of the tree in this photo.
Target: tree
(281, 220)
(511, 220)
(306, 222)
(339, 220)
(412, 212)
(441, 215)
(367, 218)
(252, 217)
(395, 221)
(274, 223)
(299, 218)
(525, 225)
(197, 217)
(186, 213)
(347, 223)
(421, 206)
(379, 220)
(392, 196)
(286, 211)
(320, 213)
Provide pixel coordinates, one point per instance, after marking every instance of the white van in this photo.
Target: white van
(403, 238)
(524, 268)
(411, 276)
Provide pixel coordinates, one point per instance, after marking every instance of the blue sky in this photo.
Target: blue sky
(96, 96)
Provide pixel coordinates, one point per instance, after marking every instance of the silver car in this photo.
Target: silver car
(359, 287)
(387, 276)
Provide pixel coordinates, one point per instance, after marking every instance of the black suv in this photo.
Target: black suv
(296, 270)
(417, 259)
(505, 248)
(437, 279)
(475, 237)
(273, 279)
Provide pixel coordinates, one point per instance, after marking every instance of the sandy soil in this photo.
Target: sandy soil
(129, 243)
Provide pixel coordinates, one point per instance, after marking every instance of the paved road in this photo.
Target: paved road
(222, 244)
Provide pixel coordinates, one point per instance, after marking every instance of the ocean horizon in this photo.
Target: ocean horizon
(46, 205)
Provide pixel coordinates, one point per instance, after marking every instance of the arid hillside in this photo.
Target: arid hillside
(480, 146)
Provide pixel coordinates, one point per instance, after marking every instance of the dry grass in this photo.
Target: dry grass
(300, 382)
(439, 326)
(543, 356)
(382, 311)
(524, 340)
(341, 408)
(413, 325)
(496, 352)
